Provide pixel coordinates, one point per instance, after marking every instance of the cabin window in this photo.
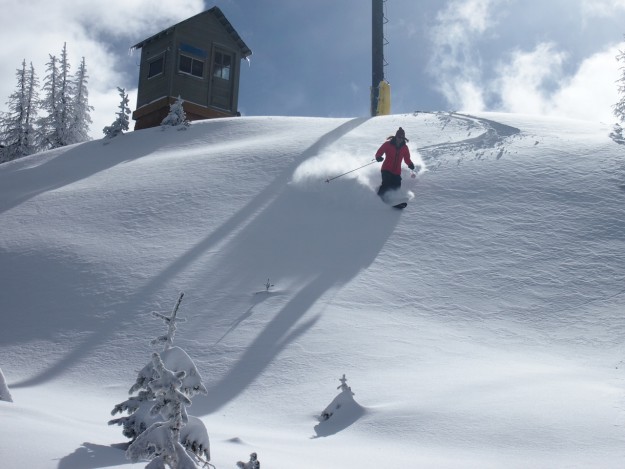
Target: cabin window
(222, 66)
(156, 67)
(191, 66)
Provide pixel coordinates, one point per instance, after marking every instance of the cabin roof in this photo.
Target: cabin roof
(215, 11)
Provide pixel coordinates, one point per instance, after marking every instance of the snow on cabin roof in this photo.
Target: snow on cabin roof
(215, 11)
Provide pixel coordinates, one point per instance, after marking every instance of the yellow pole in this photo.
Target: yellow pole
(384, 98)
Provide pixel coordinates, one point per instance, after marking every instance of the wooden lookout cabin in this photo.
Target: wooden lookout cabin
(198, 59)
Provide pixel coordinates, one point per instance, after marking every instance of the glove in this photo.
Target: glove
(411, 166)
(379, 159)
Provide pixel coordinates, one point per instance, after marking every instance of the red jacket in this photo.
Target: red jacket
(394, 157)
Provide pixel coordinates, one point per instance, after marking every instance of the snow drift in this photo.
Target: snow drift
(481, 327)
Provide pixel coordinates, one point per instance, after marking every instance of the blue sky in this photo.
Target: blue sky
(313, 58)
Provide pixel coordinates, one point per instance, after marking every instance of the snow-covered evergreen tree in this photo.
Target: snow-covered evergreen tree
(176, 116)
(17, 126)
(342, 412)
(346, 393)
(619, 107)
(139, 405)
(151, 417)
(64, 106)
(58, 102)
(78, 130)
(5, 395)
(66, 103)
(253, 463)
(49, 125)
(160, 443)
(122, 121)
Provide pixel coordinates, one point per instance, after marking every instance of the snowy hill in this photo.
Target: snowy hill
(481, 327)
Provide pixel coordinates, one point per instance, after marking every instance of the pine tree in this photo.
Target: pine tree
(17, 125)
(176, 116)
(160, 443)
(58, 103)
(66, 102)
(122, 122)
(32, 105)
(619, 107)
(49, 130)
(80, 119)
(65, 105)
(153, 420)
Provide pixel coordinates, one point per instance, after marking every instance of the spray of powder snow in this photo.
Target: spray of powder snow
(346, 175)
(330, 164)
(340, 176)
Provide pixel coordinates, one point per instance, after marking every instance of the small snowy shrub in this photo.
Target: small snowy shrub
(342, 412)
(177, 116)
(345, 395)
(5, 395)
(253, 463)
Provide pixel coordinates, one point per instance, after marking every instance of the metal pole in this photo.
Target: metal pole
(377, 50)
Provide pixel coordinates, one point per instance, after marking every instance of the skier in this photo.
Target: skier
(396, 150)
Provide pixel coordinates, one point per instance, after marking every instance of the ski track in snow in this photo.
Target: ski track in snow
(490, 142)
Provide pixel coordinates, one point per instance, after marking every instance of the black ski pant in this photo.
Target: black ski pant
(390, 181)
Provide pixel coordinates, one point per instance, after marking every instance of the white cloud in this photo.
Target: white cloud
(530, 80)
(455, 64)
(472, 96)
(93, 29)
(127, 18)
(470, 15)
(589, 93)
(522, 81)
(601, 8)
(592, 91)
(455, 29)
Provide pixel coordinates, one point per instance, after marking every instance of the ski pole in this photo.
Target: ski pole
(360, 167)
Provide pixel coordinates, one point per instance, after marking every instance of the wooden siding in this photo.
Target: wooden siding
(158, 86)
(206, 33)
(199, 38)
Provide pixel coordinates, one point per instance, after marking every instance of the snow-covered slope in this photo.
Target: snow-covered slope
(480, 327)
